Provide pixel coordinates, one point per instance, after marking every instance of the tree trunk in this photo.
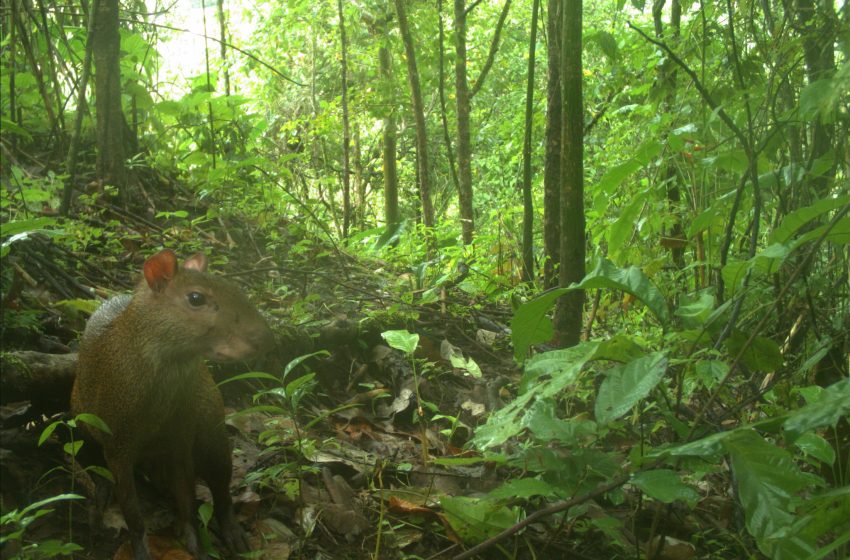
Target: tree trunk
(552, 158)
(106, 43)
(346, 132)
(527, 201)
(817, 30)
(391, 213)
(464, 144)
(419, 114)
(222, 34)
(667, 76)
(442, 87)
(568, 313)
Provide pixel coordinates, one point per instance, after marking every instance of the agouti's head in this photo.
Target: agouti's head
(192, 312)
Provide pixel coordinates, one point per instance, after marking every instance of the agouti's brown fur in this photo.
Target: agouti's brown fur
(141, 370)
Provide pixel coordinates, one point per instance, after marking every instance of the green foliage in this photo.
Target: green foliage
(16, 522)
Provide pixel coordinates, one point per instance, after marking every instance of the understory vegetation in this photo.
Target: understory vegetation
(511, 322)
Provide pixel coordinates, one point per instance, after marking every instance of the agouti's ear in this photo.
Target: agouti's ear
(160, 269)
(198, 262)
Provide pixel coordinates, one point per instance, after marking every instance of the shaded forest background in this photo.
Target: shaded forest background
(633, 215)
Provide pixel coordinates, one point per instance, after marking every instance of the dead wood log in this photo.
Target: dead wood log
(43, 379)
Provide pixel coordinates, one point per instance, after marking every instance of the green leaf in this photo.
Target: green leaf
(9, 127)
(763, 354)
(815, 446)
(797, 219)
(630, 280)
(625, 385)
(48, 431)
(94, 421)
(607, 43)
(665, 486)
(531, 325)
(402, 340)
(834, 402)
(542, 422)
(767, 477)
(249, 375)
(72, 447)
(620, 230)
(294, 363)
(619, 348)
(475, 520)
(58, 498)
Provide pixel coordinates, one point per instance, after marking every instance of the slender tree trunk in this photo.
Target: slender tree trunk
(527, 201)
(817, 30)
(464, 144)
(568, 313)
(442, 87)
(424, 171)
(552, 158)
(667, 75)
(391, 212)
(106, 43)
(359, 185)
(222, 34)
(71, 161)
(346, 132)
(35, 68)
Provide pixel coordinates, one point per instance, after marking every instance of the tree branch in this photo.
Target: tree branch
(494, 46)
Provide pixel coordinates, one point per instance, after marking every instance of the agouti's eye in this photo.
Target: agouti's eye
(196, 299)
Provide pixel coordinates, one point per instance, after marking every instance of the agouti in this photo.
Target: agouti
(141, 369)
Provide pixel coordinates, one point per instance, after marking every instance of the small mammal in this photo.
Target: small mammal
(141, 370)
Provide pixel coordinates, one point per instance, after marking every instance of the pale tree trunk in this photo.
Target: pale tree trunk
(391, 212)
(568, 313)
(419, 114)
(346, 132)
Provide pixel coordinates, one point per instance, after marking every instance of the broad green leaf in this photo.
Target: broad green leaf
(665, 486)
(625, 385)
(695, 312)
(475, 520)
(543, 423)
(620, 230)
(795, 220)
(619, 348)
(630, 280)
(531, 325)
(834, 402)
(93, 420)
(402, 340)
(25, 226)
(507, 422)
(522, 488)
(607, 43)
(763, 354)
(9, 127)
(767, 477)
(815, 446)
(564, 363)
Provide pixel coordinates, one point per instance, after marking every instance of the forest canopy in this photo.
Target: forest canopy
(596, 255)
